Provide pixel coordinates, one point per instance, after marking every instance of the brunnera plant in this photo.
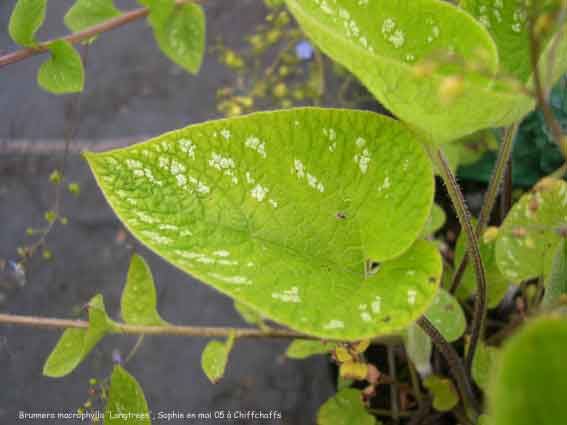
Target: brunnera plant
(321, 220)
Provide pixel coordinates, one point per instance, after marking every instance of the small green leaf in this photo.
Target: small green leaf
(126, 400)
(278, 210)
(528, 238)
(160, 10)
(302, 348)
(86, 13)
(447, 316)
(63, 72)
(27, 17)
(181, 36)
(529, 385)
(556, 283)
(435, 222)
(483, 363)
(445, 395)
(419, 347)
(497, 284)
(75, 344)
(401, 61)
(345, 408)
(139, 303)
(343, 382)
(215, 358)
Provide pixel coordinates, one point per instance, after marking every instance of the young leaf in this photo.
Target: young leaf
(181, 36)
(556, 283)
(215, 357)
(126, 400)
(345, 408)
(445, 395)
(75, 344)
(138, 303)
(497, 284)
(302, 348)
(27, 17)
(63, 72)
(529, 236)
(447, 316)
(529, 385)
(382, 42)
(419, 347)
(86, 13)
(278, 210)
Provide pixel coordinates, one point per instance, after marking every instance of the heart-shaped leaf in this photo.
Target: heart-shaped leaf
(126, 402)
(381, 41)
(63, 72)
(345, 408)
(138, 303)
(75, 344)
(529, 237)
(284, 211)
(529, 385)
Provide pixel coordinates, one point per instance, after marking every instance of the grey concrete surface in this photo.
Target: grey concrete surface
(132, 91)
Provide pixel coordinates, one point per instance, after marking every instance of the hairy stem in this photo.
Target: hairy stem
(455, 364)
(504, 154)
(78, 37)
(479, 316)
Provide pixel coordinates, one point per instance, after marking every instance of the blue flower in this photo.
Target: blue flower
(304, 50)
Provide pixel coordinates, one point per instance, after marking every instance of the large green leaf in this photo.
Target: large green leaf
(283, 211)
(181, 36)
(126, 403)
(27, 17)
(86, 13)
(508, 23)
(63, 72)
(528, 239)
(529, 385)
(556, 283)
(138, 303)
(380, 42)
(345, 408)
(75, 344)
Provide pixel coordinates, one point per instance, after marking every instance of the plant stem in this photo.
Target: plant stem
(455, 364)
(490, 197)
(86, 34)
(479, 317)
(171, 330)
(393, 386)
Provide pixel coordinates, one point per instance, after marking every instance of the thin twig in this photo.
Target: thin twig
(86, 34)
(171, 330)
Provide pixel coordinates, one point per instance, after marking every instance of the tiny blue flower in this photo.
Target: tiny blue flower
(304, 50)
(116, 357)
